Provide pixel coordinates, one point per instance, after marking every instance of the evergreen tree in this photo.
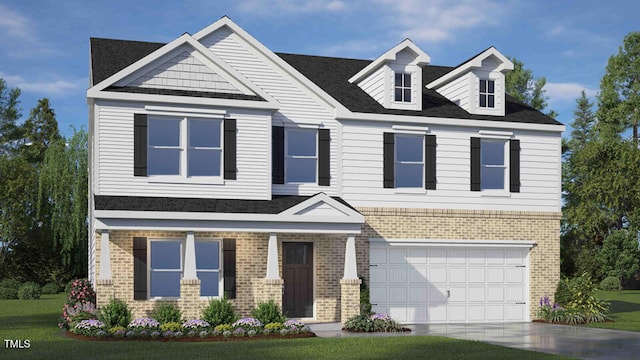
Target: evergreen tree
(9, 114)
(521, 84)
(583, 121)
(40, 130)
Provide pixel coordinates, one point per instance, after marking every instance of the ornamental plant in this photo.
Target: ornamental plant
(219, 311)
(118, 331)
(195, 325)
(274, 326)
(116, 313)
(166, 313)
(143, 325)
(294, 326)
(72, 314)
(172, 326)
(248, 324)
(373, 323)
(88, 327)
(268, 312)
(29, 291)
(80, 293)
(223, 328)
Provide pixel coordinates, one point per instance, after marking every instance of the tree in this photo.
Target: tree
(9, 114)
(619, 98)
(521, 84)
(40, 130)
(620, 256)
(583, 122)
(63, 189)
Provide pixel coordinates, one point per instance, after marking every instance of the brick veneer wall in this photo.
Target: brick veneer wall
(251, 264)
(541, 227)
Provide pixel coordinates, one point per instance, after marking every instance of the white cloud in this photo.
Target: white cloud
(19, 35)
(436, 21)
(42, 87)
(265, 7)
(566, 92)
(13, 24)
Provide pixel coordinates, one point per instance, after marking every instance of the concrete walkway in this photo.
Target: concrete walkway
(574, 341)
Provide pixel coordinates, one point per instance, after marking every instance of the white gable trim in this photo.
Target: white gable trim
(421, 59)
(475, 62)
(322, 198)
(201, 53)
(266, 53)
(184, 100)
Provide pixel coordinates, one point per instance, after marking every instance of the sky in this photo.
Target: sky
(44, 45)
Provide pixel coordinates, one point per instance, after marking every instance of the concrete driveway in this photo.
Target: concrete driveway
(574, 341)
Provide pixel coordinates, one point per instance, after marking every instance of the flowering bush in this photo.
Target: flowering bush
(223, 328)
(248, 324)
(118, 331)
(88, 327)
(252, 333)
(239, 332)
(572, 314)
(196, 325)
(203, 334)
(80, 304)
(274, 326)
(172, 326)
(373, 323)
(142, 326)
(294, 325)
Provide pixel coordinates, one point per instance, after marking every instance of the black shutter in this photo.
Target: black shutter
(139, 145)
(389, 159)
(277, 154)
(324, 157)
(140, 268)
(475, 164)
(430, 162)
(229, 267)
(514, 166)
(230, 149)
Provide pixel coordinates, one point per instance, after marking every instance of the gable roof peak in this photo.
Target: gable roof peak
(504, 66)
(420, 59)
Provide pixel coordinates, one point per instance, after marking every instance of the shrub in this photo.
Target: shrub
(268, 312)
(360, 322)
(274, 326)
(88, 327)
(223, 327)
(611, 283)
(219, 311)
(171, 326)
(166, 313)
(10, 284)
(118, 331)
(365, 300)
(116, 313)
(563, 294)
(81, 291)
(29, 291)
(8, 293)
(80, 295)
(71, 315)
(196, 325)
(247, 324)
(51, 288)
(583, 298)
(139, 324)
(373, 323)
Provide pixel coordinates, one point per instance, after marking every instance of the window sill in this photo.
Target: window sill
(495, 193)
(218, 180)
(166, 298)
(409, 191)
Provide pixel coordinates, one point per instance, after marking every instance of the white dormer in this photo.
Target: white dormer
(477, 85)
(395, 78)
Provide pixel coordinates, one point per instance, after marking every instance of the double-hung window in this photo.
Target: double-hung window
(402, 87)
(493, 164)
(165, 268)
(409, 161)
(189, 147)
(487, 93)
(208, 267)
(301, 155)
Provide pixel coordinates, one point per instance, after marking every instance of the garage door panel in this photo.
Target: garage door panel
(457, 313)
(397, 256)
(398, 275)
(437, 295)
(418, 275)
(457, 275)
(515, 275)
(477, 275)
(397, 294)
(477, 294)
(378, 295)
(437, 256)
(457, 256)
(476, 257)
(495, 294)
(457, 294)
(476, 313)
(398, 313)
(515, 293)
(495, 275)
(417, 313)
(417, 256)
(515, 257)
(495, 312)
(438, 275)
(378, 275)
(495, 257)
(437, 313)
(378, 255)
(418, 295)
(515, 312)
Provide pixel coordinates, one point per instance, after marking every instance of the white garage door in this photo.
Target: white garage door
(419, 283)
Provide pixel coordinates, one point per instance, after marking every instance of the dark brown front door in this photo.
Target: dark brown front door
(297, 268)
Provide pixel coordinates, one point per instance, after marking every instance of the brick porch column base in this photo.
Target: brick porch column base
(104, 292)
(350, 299)
(190, 303)
(272, 290)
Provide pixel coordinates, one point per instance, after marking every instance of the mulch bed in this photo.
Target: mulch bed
(561, 323)
(359, 331)
(192, 339)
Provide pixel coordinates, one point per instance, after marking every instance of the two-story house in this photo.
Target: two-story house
(218, 167)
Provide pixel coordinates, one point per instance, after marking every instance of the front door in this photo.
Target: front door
(297, 270)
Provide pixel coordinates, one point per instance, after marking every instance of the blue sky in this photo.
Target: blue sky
(44, 45)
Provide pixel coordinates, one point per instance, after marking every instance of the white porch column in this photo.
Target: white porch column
(190, 257)
(350, 264)
(272, 258)
(105, 256)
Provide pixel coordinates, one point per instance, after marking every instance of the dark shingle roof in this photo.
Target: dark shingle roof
(330, 74)
(148, 203)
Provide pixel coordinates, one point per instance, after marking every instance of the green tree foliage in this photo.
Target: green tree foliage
(9, 114)
(619, 98)
(40, 130)
(521, 84)
(620, 256)
(583, 121)
(63, 191)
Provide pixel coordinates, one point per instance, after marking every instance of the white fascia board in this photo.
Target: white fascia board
(271, 56)
(226, 226)
(246, 217)
(390, 118)
(351, 214)
(475, 62)
(454, 243)
(190, 100)
(421, 59)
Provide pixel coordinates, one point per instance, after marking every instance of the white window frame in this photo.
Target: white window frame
(504, 166)
(150, 270)
(403, 87)
(396, 161)
(184, 151)
(287, 133)
(485, 93)
(219, 271)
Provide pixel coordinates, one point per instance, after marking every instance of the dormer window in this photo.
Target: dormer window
(487, 93)
(402, 87)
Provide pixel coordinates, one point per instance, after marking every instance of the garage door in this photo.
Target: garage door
(422, 283)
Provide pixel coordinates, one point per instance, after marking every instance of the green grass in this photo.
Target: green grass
(625, 310)
(36, 320)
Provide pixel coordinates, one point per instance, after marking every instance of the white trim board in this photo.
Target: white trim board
(454, 243)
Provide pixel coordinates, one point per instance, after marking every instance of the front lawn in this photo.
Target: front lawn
(625, 310)
(36, 321)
